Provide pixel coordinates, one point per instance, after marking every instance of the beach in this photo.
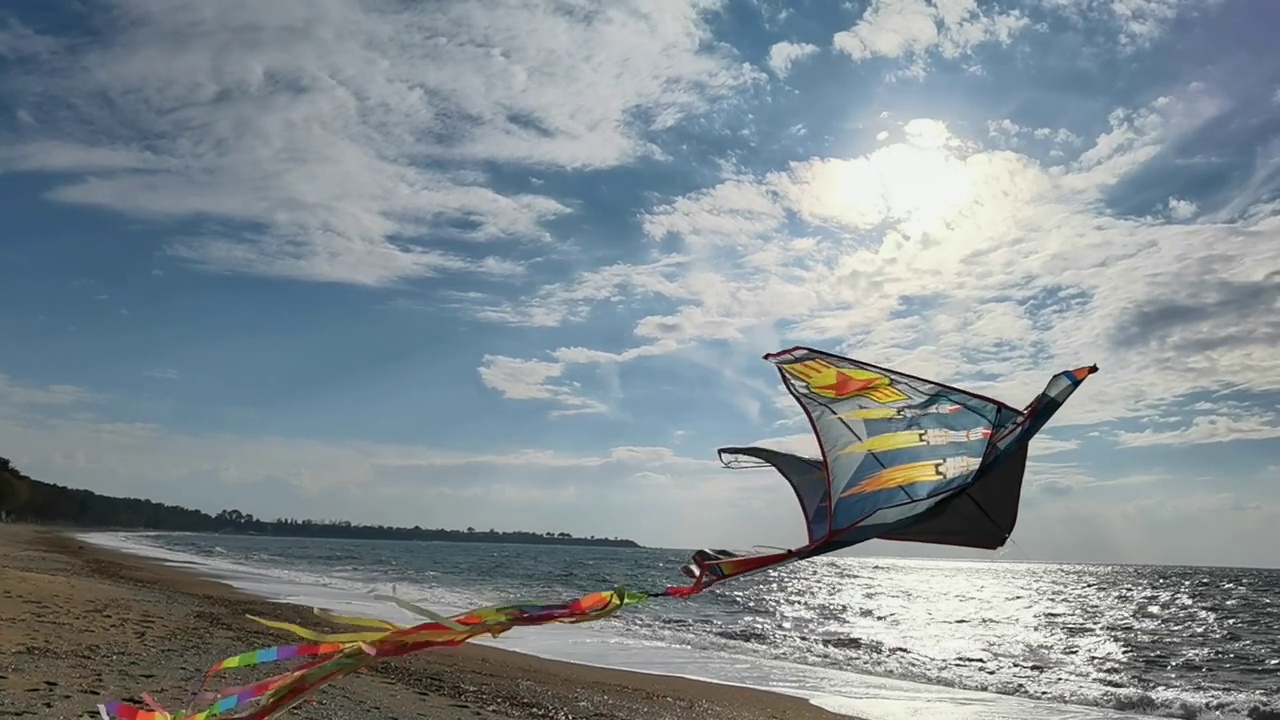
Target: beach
(80, 622)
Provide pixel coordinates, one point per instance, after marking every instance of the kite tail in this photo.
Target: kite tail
(330, 656)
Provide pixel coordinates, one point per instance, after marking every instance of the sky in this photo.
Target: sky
(514, 265)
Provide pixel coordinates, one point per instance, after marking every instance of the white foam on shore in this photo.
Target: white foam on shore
(847, 693)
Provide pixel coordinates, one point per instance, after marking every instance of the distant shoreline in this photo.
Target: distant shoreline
(454, 536)
(27, 500)
(450, 536)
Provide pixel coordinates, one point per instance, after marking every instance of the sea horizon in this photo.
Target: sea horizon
(1001, 557)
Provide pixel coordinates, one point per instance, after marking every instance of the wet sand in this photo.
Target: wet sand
(78, 622)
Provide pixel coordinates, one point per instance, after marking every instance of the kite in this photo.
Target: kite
(902, 459)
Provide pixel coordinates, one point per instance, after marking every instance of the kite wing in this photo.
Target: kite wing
(807, 476)
(983, 514)
(903, 458)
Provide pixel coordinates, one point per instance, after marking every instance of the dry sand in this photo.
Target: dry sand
(79, 621)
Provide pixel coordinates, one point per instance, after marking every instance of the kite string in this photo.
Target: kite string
(1014, 543)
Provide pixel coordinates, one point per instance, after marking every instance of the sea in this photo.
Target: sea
(876, 638)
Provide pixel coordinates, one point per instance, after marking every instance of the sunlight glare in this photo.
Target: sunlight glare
(920, 184)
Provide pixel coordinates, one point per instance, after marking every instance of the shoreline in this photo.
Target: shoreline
(79, 621)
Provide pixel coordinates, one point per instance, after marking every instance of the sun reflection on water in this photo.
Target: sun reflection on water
(1114, 636)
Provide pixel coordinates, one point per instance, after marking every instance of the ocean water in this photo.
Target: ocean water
(885, 639)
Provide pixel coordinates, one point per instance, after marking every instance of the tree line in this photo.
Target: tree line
(25, 499)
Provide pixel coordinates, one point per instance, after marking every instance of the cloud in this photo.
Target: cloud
(162, 373)
(1007, 134)
(719, 214)
(913, 32)
(802, 444)
(1043, 445)
(19, 41)
(941, 256)
(15, 395)
(913, 29)
(1180, 209)
(520, 379)
(336, 141)
(1135, 24)
(1159, 529)
(1225, 312)
(785, 54)
(562, 302)
(1207, 429)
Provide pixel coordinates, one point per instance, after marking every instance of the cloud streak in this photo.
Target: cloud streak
(335, 141)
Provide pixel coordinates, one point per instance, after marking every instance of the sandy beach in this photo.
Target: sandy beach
(78, 622)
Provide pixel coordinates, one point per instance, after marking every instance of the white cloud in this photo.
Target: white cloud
(785, 54)
(1042, 445)
(582, 356)
(718, 215)
(803, 444)
(520, 379)
(563, 302)
(1180, 209)
(690, 323)
(15, 395)
(1207, 429)
(162, 373)
(1136, 23)
(59, 156)
(311, 129)
(912, 29)
(1008, 134)
(1189, 529)
(19, 41)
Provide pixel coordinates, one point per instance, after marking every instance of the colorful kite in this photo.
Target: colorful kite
(902, 458)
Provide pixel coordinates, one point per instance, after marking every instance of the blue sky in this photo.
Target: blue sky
(513, 265)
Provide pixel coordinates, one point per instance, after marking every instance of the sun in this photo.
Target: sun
(918, 184)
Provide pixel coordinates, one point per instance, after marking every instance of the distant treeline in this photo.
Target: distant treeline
(25, 499)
